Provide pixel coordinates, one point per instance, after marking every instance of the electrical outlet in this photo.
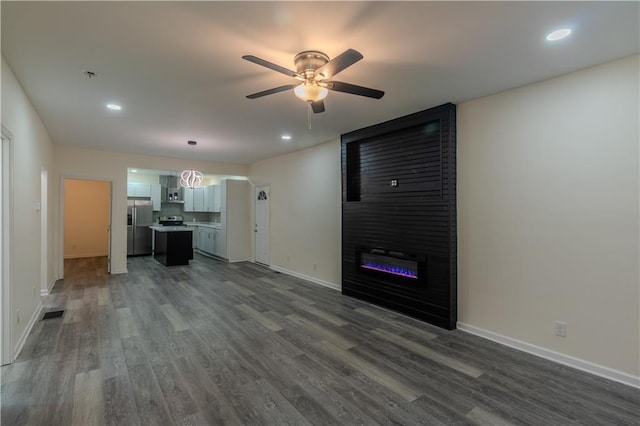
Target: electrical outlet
(560, 328)
(17, 316)
(315, 266)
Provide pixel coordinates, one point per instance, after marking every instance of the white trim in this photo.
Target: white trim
(6, 298)
(44, 228)
(577, 363)
(119, 271)
(27, 330)
(318, 281)
(267, 189)
(47, 291)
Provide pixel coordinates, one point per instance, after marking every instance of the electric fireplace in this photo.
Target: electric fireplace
(390, 264)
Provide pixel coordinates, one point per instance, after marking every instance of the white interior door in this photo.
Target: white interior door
(262, 199)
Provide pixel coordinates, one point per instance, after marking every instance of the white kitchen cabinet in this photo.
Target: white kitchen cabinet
(155, 197)
(138, 189)
(212, 198)
(220, 248)
(206, 240)
(234, 236)
(187, 194)
(198, 200)
(203, 199)
(195, 237)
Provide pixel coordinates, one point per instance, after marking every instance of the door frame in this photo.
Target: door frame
(61, 222)
(6, 231)
(44, 231)
(266, 188)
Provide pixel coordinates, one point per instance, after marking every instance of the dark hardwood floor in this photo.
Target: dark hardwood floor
(218, 343)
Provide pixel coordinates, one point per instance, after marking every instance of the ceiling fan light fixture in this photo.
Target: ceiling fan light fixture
(310, 91)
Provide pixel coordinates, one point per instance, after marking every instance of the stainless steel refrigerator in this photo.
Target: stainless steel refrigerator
(139, 218)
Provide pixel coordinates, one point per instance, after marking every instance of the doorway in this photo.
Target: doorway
(262, 198)
(87, 221)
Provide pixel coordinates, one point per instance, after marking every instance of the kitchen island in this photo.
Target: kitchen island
(173, 245)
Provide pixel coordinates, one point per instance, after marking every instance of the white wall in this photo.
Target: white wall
(31, 153)
(548, 214)
(305, 210)
(72, 162)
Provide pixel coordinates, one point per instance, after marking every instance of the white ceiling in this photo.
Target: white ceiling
(176, 67)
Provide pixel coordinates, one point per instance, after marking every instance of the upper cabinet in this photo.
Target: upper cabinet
(198, 200)
(156, 199)
(146, 190)
(203, 199)
(138, 190)
(187, 194)
(212, 198)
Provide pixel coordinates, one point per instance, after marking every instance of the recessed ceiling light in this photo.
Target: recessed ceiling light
(114, 107)
(134, 170)
(558, 34)
(285, 137)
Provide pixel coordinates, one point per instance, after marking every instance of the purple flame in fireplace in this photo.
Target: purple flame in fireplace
(395, 270)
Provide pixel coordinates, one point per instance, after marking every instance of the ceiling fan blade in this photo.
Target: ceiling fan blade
(339, 86)
(340, 62)
(270, 65)
(317, 107)
(272, 91)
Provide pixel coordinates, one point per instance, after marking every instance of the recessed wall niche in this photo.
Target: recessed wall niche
(399, 215)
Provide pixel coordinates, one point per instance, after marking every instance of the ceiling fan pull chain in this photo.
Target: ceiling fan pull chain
(309, 115)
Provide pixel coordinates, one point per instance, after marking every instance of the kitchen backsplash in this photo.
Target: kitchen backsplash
(169, 209)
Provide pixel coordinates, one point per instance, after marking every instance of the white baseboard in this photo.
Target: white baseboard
(47, 291)
(119, 271)
(577, 363)
(23, 338)
(307, 277)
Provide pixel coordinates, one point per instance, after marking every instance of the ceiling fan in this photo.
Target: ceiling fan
(314, 69)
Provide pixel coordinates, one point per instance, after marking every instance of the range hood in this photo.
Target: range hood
(171, 191)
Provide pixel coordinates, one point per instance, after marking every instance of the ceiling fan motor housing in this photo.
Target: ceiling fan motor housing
(308, 62)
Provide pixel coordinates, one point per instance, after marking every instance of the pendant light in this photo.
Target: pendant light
(191, 178)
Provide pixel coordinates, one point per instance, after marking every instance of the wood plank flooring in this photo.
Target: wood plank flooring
(238, 344)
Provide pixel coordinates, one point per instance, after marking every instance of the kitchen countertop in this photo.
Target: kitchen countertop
(215, 225)
(160, 228)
